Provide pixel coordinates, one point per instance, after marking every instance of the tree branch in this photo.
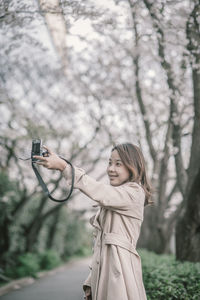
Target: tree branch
(138, 90)
(181, 172)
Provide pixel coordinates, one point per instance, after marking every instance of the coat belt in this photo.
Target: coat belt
(119, 240)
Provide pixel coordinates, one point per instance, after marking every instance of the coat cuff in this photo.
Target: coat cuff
(87, 282)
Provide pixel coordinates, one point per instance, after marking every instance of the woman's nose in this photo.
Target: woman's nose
(111, 168)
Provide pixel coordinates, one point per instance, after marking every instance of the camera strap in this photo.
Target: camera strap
(44, 187)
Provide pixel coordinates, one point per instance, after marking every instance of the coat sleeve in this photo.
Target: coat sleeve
(129, 196)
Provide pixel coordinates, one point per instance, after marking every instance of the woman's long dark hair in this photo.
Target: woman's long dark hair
(133, 159)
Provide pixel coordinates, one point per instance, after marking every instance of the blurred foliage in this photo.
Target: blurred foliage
(57, 239)
(9, 191)
(166, 278)
(26, 265)
(78, 241)
(49, 260)
(5, 184)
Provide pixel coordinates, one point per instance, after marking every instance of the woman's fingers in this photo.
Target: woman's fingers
(42, 161)
(52, 161)
(39, 157)
(49, 151)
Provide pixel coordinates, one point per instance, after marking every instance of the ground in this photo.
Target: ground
(64, 283)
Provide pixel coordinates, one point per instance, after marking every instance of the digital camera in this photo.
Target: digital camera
(37, 149)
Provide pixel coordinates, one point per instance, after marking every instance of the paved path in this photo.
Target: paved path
(64, 284)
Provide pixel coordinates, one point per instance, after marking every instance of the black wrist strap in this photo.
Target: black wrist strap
(44, 187)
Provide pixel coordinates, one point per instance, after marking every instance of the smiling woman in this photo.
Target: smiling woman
(115, 271)
(117, 171)
(130, 162)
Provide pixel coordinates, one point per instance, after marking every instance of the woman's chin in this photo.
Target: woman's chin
(113, 183)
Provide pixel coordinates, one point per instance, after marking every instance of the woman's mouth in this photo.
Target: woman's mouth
(112, 177)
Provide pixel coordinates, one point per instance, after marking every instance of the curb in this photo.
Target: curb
(19, 283)
(15, 285)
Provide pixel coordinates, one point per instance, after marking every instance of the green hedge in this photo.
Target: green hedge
(26, 265)
(49, 260)
(167, 279)
(29, 264)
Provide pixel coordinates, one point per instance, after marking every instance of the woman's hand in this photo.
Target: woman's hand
(52, 161)
(88, 295)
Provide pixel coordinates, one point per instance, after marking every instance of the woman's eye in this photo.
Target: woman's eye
(118, 164)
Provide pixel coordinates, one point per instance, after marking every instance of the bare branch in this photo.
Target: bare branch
(181, 172)
(139, 92)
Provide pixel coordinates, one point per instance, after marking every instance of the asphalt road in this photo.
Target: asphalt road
(65, 284)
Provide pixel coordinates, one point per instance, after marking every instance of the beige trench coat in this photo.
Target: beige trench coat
(116, 271)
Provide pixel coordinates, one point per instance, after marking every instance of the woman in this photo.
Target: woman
(116, 271)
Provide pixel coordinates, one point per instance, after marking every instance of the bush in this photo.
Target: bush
(26, 265)
(29, 264)
(165, 278)
(49, 260)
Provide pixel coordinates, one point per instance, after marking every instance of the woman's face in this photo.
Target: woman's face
(117, 171)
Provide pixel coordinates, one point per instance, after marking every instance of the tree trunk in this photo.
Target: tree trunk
(32, 232)
(5, 239)
(53, 229)
(155, 236)
(188, 226)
